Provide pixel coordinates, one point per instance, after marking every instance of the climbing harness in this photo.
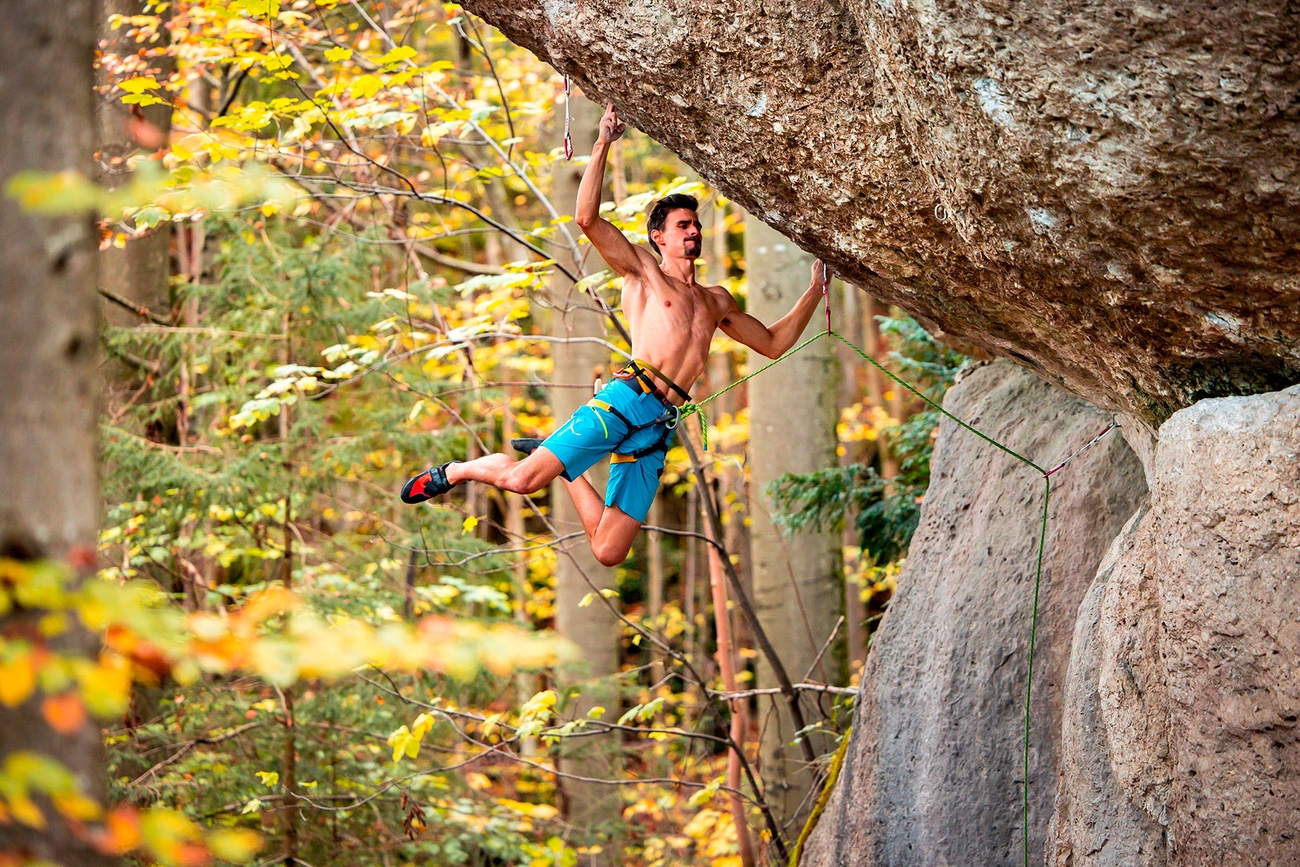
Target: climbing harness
(568, 139)
(639, 372)
(691, 408)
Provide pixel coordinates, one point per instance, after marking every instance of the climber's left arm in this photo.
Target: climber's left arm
(774, 340)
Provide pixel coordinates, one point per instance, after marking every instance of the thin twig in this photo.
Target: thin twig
(776, 690)
(824, 648)
(138, 309)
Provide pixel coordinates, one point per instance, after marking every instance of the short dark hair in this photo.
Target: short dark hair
(659, 213)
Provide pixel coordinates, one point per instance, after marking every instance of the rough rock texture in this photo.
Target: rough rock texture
(1105, 191)
(933, 770)
(1186, 673)
(1096, 823)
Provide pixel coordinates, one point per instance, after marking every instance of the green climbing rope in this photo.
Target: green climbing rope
(696, 407)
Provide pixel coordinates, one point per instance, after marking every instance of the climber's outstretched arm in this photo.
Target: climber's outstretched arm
(621, 255)
(781, 335)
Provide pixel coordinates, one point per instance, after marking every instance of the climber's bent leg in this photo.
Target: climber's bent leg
(614, 536)
(589, 504)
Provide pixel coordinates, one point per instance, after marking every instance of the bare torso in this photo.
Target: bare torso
(672, 324)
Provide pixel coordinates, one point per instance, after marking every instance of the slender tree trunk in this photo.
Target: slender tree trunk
(878, 385)
(593, 628)
(617, 172)
(797, 591)
(727, 665)
(49, 493)
(139, 271)
(848, 320)
(690, 565)
(655, 562)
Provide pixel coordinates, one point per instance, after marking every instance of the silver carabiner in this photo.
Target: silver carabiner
(676, 413)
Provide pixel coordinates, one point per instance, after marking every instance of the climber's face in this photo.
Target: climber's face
(680, 238)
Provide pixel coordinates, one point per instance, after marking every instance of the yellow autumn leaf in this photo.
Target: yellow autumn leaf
(106, 686)
(421, 726)
(334, 55)
(139, 84)
(404, 743)
(237, 844)
(397, 55)
(533, 811)
(24, 810)
(468, 526)
(169, 834)
(17, 680)
(365, 86)
(75, 805)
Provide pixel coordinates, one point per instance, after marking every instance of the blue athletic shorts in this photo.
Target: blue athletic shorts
(593, 433)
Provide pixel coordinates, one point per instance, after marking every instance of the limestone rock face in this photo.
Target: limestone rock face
(1184, 675)
(1106, 192)
(933, 770)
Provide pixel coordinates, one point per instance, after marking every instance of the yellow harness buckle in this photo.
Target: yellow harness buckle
(622, 459)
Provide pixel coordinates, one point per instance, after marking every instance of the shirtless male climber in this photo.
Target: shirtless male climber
(672, 319)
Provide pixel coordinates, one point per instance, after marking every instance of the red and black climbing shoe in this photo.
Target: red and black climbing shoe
(527, 445)
(427, 485)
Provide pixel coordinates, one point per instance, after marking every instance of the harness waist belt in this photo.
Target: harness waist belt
(640, 371)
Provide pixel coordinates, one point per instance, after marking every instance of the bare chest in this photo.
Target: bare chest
(672, 309)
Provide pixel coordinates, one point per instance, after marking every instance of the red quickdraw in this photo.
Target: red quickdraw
(568, 139)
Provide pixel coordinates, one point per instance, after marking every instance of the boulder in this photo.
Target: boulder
(1106, 192)
(933, 771)
(1185, 677)
(1097, 823)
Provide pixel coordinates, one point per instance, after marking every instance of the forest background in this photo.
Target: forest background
(336, 247)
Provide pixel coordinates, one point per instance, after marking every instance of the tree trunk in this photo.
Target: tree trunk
(139, 271)
(49, 496)
(792, 430)
(592, 628)
(848, 321)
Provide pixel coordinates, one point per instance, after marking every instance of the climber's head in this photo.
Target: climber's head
(674, 228)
